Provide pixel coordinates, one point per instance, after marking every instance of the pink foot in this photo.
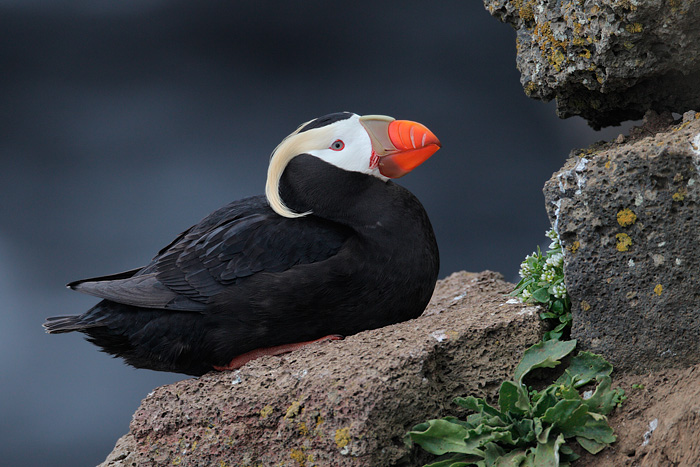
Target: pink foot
(240, 360)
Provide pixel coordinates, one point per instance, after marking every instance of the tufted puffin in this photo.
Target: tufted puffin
(334, 247)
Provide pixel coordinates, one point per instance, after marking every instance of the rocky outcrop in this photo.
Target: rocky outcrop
(343, 403)
(628, 216)
(607, 60)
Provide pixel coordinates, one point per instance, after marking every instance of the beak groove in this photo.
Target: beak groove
(401, 145)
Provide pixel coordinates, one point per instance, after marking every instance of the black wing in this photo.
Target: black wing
(241, 239)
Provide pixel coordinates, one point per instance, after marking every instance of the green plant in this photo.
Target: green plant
(531, 428)
(543, 282)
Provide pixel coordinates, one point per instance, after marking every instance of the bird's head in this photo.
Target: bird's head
(375, 145)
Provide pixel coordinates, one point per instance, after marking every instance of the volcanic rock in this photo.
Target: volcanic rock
(628, 216)
(607, 60)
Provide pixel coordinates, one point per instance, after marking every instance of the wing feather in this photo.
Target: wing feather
(237, 241)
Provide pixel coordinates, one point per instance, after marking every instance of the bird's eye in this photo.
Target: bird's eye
(337, 145)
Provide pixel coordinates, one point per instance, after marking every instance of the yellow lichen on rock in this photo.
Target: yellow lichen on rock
(300, 457)
(527, 13)
(634, 28)
(342, 437)
(530, 88)
(623, 242)
(293, 410)
(658, 290)
(266, 411)
(680, 194)
(574, 246)
(626, 217)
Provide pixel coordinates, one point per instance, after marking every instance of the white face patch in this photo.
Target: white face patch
(346, 145)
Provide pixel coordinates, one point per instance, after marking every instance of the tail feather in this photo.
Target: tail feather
(145, 338)
(59, 324)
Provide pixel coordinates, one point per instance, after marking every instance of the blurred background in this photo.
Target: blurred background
(124, 122)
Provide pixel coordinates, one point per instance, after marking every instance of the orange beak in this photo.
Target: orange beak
(400, 145)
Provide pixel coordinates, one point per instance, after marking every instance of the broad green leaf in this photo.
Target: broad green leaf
(552, 335)
(456, 420)
(594, 447)
(547, 454)
(587, 366)
(512, 459)
(440, 436)
(529, 458)
(476, 439)
(566, 454)
(603, 399)
(492, 452)
(541, 295)
(505, 435)
(543, 436)
(459, 460)
(542, 355)
(568, 416)
(569, 393)
(546, 400)
(525, 429)
(537, 427)
(513, 398)
(477, 405)
(557, 307)
(596, 428)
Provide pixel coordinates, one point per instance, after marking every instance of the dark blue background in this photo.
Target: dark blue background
(123, 122)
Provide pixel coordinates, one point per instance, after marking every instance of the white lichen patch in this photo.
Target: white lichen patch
(439, 335)
(695, 147)
(576, 173)
(679, 261)
(579, 170)
(514, 301)
(557, 211)
(460, 296)
(695, 144)
(652, 426)
(630, 263)
(531, 310)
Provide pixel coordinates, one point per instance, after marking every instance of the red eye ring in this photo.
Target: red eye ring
(337, 145)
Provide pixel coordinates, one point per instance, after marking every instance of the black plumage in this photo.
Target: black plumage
(246, 277)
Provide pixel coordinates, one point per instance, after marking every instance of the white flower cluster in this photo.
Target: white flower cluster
(547, 275)
(555, 239)
(525, 268)
(552, 235)
(559, 290)
(555, 260)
